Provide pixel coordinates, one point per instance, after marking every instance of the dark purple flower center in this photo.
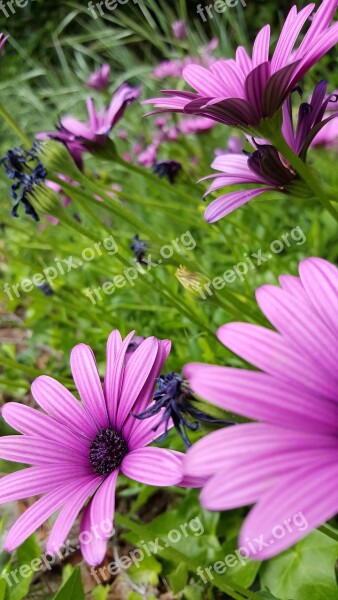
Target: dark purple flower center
(107, 451)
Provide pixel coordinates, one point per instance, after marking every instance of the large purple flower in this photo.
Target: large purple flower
(266, 168)
(81, 135)
(243, 91)
(77, 450)
(288, 462)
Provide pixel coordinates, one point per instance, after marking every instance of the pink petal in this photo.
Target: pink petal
(154, 466)
(93, 548)
(260, 52)
(270, 352)
(87, 380)
(44, 508)
(38, 480)
(256, 396)
(320, 280)
(62, 406)
(115, 372)
(203, 81)
(35, 451)
(68, 514)
(229, 202)
(308, 497)
(136, 372)
(143, 432)
(114, 345)
(288, 37)
(76, 127)
(237, 445)
(103, 507)
(301, 326)
(242, 485)
(143, 401)
(32, 422)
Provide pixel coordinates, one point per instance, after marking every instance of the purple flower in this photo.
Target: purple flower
(99, 80)
(195, 125)
(241, 92)
(266, 168)
(3, 40)
(180, 30)
(77, 450)
(78, 135)
(288, 461)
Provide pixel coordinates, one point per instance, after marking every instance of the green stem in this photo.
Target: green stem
(238, 593)
(26, 141)
(331, 532)
(304, 171)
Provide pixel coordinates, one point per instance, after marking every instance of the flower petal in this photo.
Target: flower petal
(309, 496)
(226, 204)
(137, 370)
(37, 480)
(103, 507)
(154, 466)
(256, 396)
(44, 508)
(31, 422)
(35, 451)
(87, 380)
(320, 280)
(62, 406)
(93, 548)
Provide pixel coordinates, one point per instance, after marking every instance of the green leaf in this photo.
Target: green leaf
(72, 588)
(147, 572)
(305, 571)
(101, 592)
(178, 579)
(28, 563)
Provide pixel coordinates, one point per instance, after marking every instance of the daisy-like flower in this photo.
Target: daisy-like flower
(287, 462)
(97, 128)
(99, 80)
(266, 168)
(243, 91)
(77, 450)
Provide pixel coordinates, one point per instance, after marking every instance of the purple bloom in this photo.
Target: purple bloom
(99, 80)
(288, 461)
(195, 125)
(180, 30)
(241, 92)
(77, 450)
(266, 168)
(3, 40)
(79, 135)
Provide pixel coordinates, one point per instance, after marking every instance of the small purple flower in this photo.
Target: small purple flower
(180, 30)
(243, 91)
(78, 135)
(3, 40)
(78, 449)
(99, 80)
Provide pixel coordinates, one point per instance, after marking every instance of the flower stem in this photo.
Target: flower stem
(303, 170)
(7, 117)
(331, 532)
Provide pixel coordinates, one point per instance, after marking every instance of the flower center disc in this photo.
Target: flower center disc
(107, 451)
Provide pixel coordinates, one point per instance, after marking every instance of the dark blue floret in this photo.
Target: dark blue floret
(177, 399)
